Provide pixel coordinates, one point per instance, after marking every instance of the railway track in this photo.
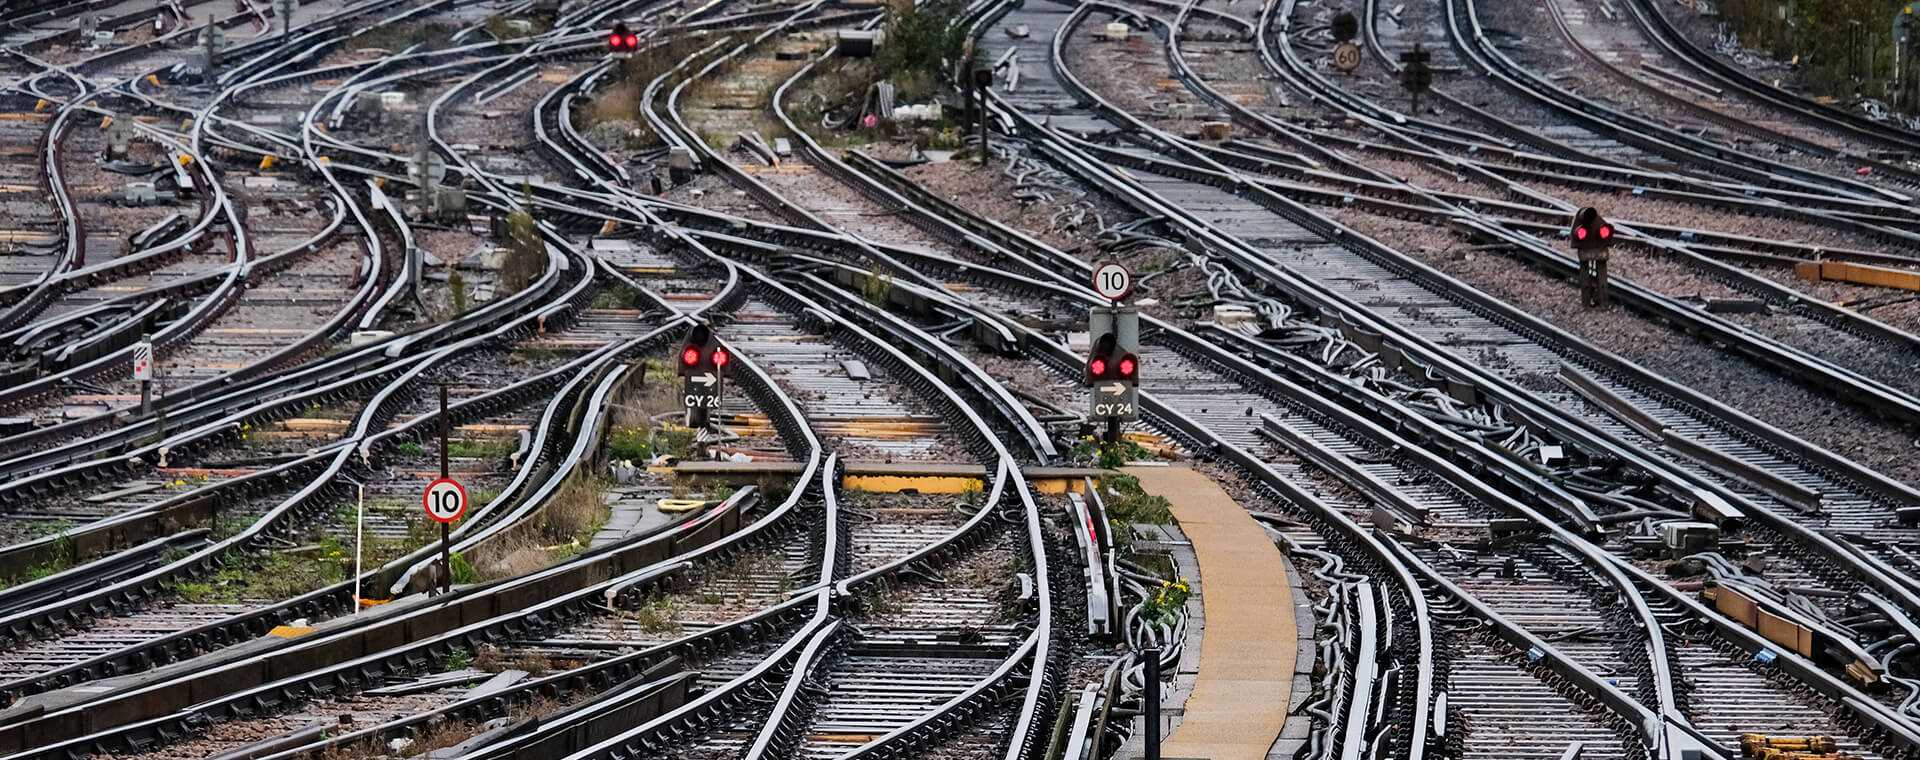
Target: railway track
(1472, 482)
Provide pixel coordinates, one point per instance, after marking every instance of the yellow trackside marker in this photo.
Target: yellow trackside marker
(380, 182)
(290, 631)
(106, 121)
(918, 483)
(325, 160)
(374, 602)
(607, 229)
(153, 79)
(40, 106)
(185, 159)
(266, 161)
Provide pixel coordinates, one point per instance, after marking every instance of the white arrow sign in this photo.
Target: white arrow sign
(1113, 388)
(706, 379)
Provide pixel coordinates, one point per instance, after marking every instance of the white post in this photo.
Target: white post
(359, 520)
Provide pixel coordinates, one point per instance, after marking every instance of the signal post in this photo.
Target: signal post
(1592, 235)
(703, 370)
(1113, 359)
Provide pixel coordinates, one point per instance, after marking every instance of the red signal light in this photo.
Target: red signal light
(633, 42)
(720, 358)
(690, 356)
(1097, 366)
(613, 41)
(1580, 233)
(1128, 365)
(1606, 231)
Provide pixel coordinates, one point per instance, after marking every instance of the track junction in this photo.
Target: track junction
(757, 335)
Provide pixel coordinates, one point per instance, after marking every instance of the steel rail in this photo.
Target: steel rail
(1089, 171)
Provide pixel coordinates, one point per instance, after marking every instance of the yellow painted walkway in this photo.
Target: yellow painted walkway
(1247, 651)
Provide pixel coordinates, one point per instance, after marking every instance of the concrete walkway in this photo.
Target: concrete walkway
(1247, 652)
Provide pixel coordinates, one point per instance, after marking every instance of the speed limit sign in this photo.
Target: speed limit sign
(445, 500)
(1112, 280)
(1346, 57)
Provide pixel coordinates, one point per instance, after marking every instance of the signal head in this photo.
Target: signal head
(1590, 230)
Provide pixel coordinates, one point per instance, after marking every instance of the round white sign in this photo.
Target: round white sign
(445, 500)
(1112, 280)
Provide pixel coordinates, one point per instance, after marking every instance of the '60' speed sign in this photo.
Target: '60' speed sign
(445, 500)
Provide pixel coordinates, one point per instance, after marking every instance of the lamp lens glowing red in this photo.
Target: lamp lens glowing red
(1127, 365)
(691, 356)
(720, 357)
(1580, 233)
(1606, 231)
(1097, 366)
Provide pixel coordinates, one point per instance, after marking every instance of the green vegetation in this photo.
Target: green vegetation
(322, 562)
(1167, 601)
(1091, 451)
(922, 39)
(411, 449)
(1829, 49)
(458, 659)
(630, 443)
(457, 286)
(656, 616)
(877, 288)
(463, 571)
(228, 526)
(396, 37)
(616, 297)
(535, 354)
(1127, 502)
(564, 527)
(484, 448)
(673, 441)
(526, 257)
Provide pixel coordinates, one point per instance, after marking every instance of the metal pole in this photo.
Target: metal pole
(983, 122)
(359, 540)
(146, 397)
(1151, 700)
(446, 542)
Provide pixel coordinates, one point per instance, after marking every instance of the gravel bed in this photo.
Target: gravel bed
(1807, 413)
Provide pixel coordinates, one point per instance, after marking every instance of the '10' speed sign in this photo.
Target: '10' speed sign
(1113, 281)
(445, 500)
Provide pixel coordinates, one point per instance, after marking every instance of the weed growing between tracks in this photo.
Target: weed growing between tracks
(561, 529)
(1127, 502)
(288, 573)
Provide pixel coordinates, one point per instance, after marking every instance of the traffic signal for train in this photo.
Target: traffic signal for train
(1110, 362)
(700, 354)
(1590, 230)
(622, 39)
